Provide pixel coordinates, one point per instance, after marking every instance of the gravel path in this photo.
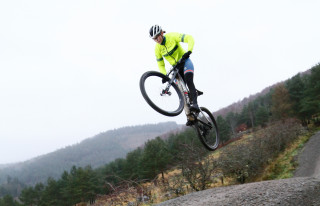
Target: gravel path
(309, 159)
(303, 189)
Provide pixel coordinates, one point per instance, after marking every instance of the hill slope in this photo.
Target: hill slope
(304, 189)
(96, 151)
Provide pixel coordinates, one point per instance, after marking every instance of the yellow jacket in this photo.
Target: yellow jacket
(171, 49)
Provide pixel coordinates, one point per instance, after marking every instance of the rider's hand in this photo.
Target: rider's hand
(186, 55)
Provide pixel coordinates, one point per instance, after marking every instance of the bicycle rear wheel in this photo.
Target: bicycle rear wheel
(207, 129)
(170, 103)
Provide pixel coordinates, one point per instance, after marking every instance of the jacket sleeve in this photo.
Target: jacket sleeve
(188, 39)
(160, 61)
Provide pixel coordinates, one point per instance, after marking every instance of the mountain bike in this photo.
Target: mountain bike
(172, 97)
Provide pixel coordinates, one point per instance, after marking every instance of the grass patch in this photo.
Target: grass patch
(286, 163)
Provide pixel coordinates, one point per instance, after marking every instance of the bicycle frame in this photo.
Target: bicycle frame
(176, 91)
(175, 76)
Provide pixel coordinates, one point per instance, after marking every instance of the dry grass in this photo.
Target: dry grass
(285, 164)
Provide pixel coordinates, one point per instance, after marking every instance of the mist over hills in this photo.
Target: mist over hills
(95, 151)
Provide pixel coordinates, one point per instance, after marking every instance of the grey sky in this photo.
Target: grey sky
(70, 69)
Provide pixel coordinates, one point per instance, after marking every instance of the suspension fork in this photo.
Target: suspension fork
(166, 90)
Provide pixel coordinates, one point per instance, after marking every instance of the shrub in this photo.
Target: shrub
(246, 159)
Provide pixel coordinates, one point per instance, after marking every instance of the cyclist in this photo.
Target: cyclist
(168, 46)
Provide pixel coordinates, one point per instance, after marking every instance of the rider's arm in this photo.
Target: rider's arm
(160, 61)
(186, 38)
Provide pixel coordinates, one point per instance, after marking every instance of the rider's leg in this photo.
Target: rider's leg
(181, 72)
(188, 76)
(192, 89)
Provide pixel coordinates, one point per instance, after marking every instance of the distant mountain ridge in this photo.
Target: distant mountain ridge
(95, 151)
(236, 107)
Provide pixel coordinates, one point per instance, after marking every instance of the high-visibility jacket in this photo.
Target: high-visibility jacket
(171, 49)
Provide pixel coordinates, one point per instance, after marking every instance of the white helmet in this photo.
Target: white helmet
(154, 31)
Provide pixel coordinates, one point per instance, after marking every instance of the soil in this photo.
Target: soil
(302, 189)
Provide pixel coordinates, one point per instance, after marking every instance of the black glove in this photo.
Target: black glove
(186, 56)
(180, 66)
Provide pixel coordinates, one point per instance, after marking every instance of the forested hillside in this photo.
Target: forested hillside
(237, 107)
(96, 151)
(279, 115)
(297, 97)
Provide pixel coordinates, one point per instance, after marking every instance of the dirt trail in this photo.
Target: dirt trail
(303, 189)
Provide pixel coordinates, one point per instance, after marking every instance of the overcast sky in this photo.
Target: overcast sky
(71, 69)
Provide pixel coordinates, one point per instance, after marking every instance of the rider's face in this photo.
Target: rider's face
(159, 38)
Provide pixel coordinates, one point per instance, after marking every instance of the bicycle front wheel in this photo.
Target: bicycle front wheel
(169, 103)
(207, 129)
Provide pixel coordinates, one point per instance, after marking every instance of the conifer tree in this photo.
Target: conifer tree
(155, 158)
(8, 200)
(262, 116)
(224, 129)
(29, 196)
(132, 166)
(311, 102)
(296, 88)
